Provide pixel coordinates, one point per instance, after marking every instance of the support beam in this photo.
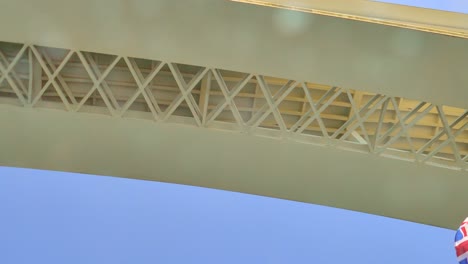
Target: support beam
(132, 148)
(35, 77)
(204, 96)
(323, 50)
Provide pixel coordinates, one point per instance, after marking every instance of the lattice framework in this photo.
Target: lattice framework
(126, 87)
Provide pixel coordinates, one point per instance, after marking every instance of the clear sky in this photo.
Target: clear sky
(460, 6)
(53, 217)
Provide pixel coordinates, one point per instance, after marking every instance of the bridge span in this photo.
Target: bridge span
(215, 94)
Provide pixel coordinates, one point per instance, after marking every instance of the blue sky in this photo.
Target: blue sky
(460, 6)
(54, 217)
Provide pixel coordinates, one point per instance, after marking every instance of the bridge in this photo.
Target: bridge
(318, 107)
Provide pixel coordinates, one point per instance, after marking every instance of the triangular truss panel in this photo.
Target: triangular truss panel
(188, 79)
(450, 139)
(359, 127)
(164, 88)
(270, 93)
(52, 89)
(229, 98)
(406, 132)
(14, 73)
(245, 102)
(141, 101)
(318, 118)
(291, 102)
(101, 70)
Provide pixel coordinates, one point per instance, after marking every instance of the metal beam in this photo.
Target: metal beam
(321, 49)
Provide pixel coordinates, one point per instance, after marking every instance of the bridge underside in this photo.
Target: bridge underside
(88, 143)
(367, 128)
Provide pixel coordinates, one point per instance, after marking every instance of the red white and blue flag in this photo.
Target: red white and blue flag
(461, 242)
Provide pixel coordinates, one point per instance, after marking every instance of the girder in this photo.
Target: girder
(247, 38)
(53, 139)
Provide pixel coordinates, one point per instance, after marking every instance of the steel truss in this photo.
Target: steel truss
(161, 91)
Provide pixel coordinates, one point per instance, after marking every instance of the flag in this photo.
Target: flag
(461, 242)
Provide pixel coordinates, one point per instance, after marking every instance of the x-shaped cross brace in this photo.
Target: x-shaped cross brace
(142, 84)
(185, 94)
(6, 71)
